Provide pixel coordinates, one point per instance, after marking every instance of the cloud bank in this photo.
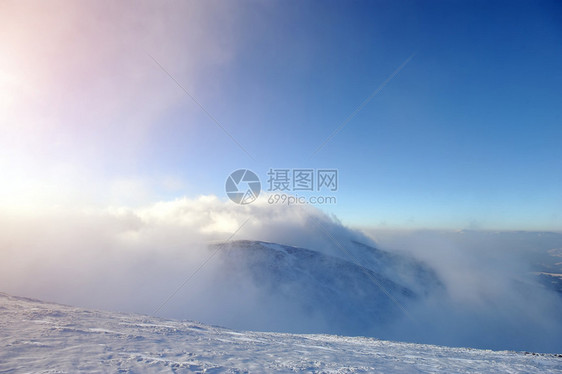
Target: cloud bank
(130, 259)
(134, 259)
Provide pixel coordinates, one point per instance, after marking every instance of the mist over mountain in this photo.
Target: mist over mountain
(390, 295)
(342, 296)
(299, 270)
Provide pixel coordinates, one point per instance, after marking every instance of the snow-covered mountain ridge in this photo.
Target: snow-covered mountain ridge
(359, 295)
(43, 337)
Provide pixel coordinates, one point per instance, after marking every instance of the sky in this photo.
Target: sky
(446, 114)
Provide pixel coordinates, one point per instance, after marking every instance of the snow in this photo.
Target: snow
(50, 338)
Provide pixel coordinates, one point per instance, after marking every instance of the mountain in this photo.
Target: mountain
(49, 338)
(358, 296)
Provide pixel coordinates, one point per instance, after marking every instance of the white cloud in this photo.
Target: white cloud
(132, 259)
(59, 254)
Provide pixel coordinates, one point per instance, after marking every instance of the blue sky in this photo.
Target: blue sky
(466, 135)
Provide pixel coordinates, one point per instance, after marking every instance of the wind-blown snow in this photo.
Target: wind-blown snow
(43, 337)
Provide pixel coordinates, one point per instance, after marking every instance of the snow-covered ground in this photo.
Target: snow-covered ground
(50, 338)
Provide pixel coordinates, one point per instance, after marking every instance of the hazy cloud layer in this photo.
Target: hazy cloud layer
(133, 259)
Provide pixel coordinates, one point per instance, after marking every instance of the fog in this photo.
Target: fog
(156, 260)
(133, 259)
(493, 298)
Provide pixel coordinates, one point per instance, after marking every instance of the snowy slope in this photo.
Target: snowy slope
(50, 338)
